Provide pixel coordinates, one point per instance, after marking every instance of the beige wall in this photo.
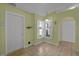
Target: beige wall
(29, 21)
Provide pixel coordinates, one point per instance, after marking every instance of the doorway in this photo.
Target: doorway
(68, 30)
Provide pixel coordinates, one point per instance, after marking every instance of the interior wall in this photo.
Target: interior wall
(58, 18)
(55, 38)
(2, 31)
(72, 14)
(29, 21)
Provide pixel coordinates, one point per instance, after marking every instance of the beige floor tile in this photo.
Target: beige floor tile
(46, 49)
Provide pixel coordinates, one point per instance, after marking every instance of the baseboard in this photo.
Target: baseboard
(38, 43)
(28, 46)
(46, 42)
(52, 43)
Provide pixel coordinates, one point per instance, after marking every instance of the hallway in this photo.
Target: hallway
(46, 49)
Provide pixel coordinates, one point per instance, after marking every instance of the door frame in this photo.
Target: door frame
(6, 12)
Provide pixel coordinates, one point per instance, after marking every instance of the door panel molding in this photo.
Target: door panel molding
(17, 14)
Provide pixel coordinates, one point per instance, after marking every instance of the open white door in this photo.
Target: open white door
(68, 30)
(14, 32)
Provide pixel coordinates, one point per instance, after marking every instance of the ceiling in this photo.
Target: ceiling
(44, 8)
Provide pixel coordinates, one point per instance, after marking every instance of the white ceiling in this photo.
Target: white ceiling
(44, 8)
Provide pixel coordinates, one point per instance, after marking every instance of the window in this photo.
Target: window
(40, 29)
(44, 28)
(48, 28)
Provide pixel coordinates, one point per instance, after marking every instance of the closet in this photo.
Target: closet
(14, 31)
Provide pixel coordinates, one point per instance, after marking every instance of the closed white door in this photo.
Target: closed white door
(68, 31)
(14, 32)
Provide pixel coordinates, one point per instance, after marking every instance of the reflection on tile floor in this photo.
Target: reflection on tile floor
(46, 49)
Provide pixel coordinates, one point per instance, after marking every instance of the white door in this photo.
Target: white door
(68, 30)
(14, 32)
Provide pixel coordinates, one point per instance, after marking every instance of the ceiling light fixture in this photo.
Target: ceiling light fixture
(73, 7)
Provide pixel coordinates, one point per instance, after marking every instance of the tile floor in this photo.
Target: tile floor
(46, 49)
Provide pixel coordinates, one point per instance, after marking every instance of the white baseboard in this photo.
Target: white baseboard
(51, 43)
(28, 46)
(38, 43)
